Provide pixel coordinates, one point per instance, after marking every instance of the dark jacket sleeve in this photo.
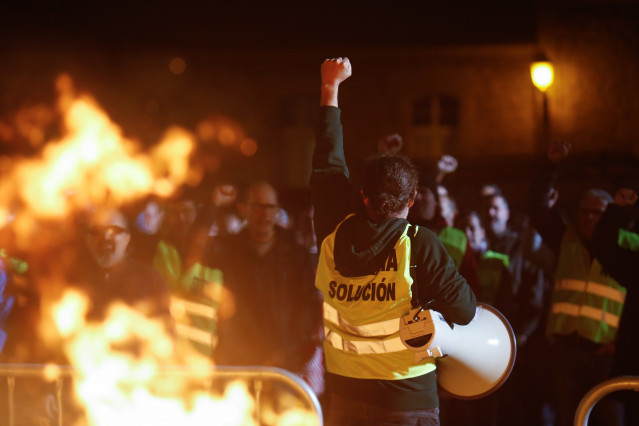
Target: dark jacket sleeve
(549, 222)
(438, 280)
(330, 184)
(620, 263)
(306, 313)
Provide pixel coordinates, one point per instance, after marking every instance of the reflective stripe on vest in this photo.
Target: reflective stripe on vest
(362, 314)
(195, 322)
(382, 328)
(194, 334)
(364, 347)
(593, 288)
(586, 311)
(191, 308)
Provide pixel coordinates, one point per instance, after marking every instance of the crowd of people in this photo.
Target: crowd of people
(244, 282)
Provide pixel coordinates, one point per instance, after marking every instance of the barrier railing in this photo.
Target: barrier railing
(602, 389)
(257, 376)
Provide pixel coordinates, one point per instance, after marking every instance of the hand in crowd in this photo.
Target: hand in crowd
(558, 150)
(447, 164)
(553, 196)
(625, 197)
(224, 195)
(334, 71)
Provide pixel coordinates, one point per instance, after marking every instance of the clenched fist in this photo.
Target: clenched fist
(447, 164)
(334, 71)
(625, 197)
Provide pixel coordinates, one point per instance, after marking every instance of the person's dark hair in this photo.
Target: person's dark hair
(246, 191)
(489, 190)
(389, 183)
(597, 193)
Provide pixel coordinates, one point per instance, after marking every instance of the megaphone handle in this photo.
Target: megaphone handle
(416, 316)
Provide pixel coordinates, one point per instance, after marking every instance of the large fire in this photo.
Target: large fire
(91, 162)
(123, 365)
(116, 385)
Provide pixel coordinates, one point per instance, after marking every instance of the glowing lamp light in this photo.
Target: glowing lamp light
(542, 74)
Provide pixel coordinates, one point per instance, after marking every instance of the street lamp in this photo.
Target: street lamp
(542, 74)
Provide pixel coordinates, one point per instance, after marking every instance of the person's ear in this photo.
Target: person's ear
(365, 199)
(412, 199)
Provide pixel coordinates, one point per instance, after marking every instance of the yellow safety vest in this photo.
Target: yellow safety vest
(195, 296)
(18, 266)
(362, 315)
(490, 268)
(628, 240)
(584, 300)
(168, 262)
(454, 241)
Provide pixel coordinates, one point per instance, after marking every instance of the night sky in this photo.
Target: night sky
(240, 24)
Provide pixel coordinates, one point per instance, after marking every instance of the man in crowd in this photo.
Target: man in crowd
(196, 291)
(586, 302)
(521, 303)
(527, 278)
(269, 275)
(617, 248)
(109, 275)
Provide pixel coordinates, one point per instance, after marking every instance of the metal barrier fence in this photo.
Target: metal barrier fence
(602, 389)
(257, 376)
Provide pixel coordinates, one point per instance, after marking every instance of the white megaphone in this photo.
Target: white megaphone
(474, 360)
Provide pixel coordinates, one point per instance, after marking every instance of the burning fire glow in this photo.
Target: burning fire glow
(118, 385)
(91, 163)
(122, 365)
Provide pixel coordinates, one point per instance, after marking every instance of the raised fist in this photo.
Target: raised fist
(625, 197)
(224, 195)
(336, 70)
(447, 164)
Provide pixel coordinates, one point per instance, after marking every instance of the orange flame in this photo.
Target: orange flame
(90, 164)
(117, 387)
(93, 163)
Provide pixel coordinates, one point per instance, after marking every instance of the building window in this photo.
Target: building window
(436, 110)
(435, 121)
(298, 111)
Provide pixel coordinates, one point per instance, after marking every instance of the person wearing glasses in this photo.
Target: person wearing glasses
(109, 275)
(276, 317)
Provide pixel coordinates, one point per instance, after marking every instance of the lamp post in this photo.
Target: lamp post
(542, 74)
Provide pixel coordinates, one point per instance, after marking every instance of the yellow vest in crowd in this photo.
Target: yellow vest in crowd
(584, 300)
(195, 295)
(454, 241)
